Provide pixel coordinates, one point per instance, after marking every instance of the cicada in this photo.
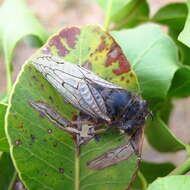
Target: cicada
(99, 101)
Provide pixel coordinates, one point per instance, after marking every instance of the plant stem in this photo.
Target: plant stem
(8, 74)
(108, 12)
(143, 180)
(188, 149)
(182, 169)
(77, 171)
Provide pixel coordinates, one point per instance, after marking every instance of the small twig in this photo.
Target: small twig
(143, 180)
(108, 14)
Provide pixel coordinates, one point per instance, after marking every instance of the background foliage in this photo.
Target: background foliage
(161, 66)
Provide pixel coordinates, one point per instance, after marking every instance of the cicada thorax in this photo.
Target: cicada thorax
(125, 109)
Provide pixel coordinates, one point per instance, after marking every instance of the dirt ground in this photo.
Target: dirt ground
(55, 14)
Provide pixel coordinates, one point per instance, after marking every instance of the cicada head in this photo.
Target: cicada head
(135, 115)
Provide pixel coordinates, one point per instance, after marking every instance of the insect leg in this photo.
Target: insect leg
(46, 111)
(82, 122)
(136, 141)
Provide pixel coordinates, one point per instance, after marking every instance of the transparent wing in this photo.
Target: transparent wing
(74, 84)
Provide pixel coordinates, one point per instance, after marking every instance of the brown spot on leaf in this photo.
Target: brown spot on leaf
(122, 78)
(61, 170)
(21, 126)
(70, 34)
(18, 142)
(35, 78)
(49, 131)
(131, 75)
(102, 45)
(116, 55)
(30, 68)
(56, 41)
(127, 81)
(42, 86)
(51, 99)
(33, 138)
(55, 144)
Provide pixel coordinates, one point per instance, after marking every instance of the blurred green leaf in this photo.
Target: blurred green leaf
(151, 171)
(4, 147)
(17, 21)
(7, 172)
(171, 182)
(124, 13)
(4, 98)
(181, 83)
(154, 58)
(32, 41)
(168, 142)
(172, 15)
(184, 36)
(50, 152)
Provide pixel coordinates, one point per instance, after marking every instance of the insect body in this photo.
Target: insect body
(92, 95)
(100, 102)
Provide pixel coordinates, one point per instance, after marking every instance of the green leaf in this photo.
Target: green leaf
(181, 83)
(168, 142)
(4, 146)
(124, 13)
(183, 49)
(154, 58)
(20, 24)
(172, 15)
(171, 182)
(165, 109)
(151, 171)
(7, 172)
(184, 36)
(51, 153)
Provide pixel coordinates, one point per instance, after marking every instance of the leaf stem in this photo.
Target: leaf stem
(77, 171)
(108, 14)
(143, 180)
(182, 169)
